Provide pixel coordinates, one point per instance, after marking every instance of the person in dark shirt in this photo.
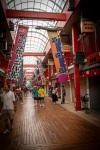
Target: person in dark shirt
(63, 94)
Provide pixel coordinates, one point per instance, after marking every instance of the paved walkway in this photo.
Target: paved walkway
(92, 116)
(52, 127)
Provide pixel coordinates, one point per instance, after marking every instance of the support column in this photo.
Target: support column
(49, 75)
(76, 69)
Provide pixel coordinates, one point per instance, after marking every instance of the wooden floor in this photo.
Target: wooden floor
(49, 128)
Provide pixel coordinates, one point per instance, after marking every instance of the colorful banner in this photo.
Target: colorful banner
(19, 42)
(20, 79)
(40, 70)
(36, 75)
(57, 56)
(18, 49)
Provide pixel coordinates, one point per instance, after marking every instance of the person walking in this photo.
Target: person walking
(25, 91)
(63, 94)
(21, 95)
(35, 96)
(8, 107)
(41, 95)
(50, 92)
(54, 95)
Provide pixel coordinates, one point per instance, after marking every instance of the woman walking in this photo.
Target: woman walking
(54, 95)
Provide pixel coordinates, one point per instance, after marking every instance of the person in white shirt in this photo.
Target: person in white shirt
(8, 107)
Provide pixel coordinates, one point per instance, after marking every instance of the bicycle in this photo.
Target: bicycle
(85, 100)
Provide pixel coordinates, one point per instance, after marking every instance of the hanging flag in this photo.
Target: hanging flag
(36, 75)
(19, 43)
(41, 70)
(57, 56)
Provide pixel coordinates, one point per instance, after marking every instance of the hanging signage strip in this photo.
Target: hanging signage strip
(21, 34)
(40, 70)
(18, 49)
(57, 56)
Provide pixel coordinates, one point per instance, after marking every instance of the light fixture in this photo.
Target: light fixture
(70, 5)
(49, 29)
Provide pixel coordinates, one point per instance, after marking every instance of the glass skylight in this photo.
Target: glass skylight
(36, 39)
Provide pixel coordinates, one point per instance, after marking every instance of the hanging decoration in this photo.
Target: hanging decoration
(57, 56)
(41, 71)
(36, 75)
(18, 49)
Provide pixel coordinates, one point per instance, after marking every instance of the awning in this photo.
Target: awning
(84, 67)
(88, 67)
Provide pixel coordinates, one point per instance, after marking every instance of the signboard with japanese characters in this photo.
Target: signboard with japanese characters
(87, 26)
(65, 48)
(93, 58)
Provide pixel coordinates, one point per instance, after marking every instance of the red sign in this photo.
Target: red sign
(93, 58)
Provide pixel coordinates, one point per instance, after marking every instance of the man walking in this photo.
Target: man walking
(8, 106)
(41, 95)
(35, 95)
(63, 93)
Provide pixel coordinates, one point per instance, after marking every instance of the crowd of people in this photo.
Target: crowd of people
(9, 97)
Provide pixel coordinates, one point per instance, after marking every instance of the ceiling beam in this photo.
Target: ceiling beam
(30, 66)
(29, 73)
(33, 54)
(35, 15)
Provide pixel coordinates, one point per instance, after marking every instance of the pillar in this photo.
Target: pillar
(49, 75)
(76, 69)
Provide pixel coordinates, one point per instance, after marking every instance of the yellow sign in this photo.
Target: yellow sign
(52, 34)
(66, 48)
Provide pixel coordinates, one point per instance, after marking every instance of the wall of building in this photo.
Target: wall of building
(83, 88)
(67, 88)
(70, 94)
(94, 92)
